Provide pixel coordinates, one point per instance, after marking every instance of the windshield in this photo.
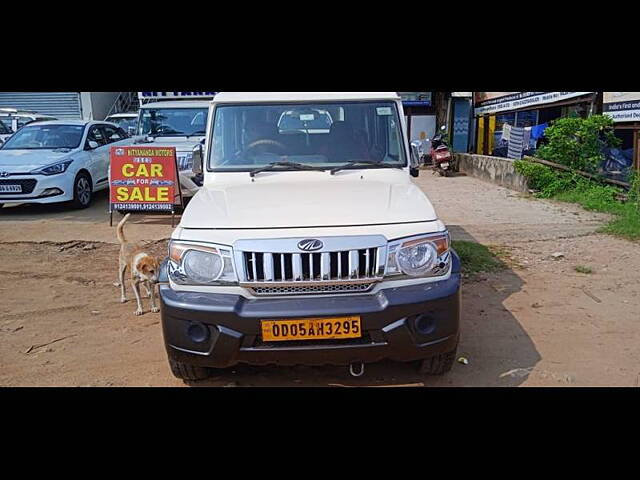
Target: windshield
(172, 122)
(40, 137)
(246, 137)
(124, 122)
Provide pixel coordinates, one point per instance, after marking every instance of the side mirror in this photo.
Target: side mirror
(414, 164)
(92, 145)
(197, 159)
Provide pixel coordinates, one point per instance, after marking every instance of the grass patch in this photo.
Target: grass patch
(590, 195)
(476, 258)
(583, 269)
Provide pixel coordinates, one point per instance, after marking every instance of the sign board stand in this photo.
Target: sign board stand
(145, 179)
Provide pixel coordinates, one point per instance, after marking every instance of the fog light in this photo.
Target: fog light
(198, 332)
(425, 324)
(49, 192)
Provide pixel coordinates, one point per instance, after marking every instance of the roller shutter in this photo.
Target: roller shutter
(61, 105)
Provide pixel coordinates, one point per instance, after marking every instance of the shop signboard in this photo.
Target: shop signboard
(148, 96)
(493, 102)
(416, 98)
(621, 106)
(143, 178)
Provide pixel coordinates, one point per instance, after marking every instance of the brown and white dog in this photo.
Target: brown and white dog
(143, 268)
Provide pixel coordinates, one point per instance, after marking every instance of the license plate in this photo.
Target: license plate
(311, 329)
(10, 188)
(444, 165)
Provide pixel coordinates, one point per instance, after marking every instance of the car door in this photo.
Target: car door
(98, 162)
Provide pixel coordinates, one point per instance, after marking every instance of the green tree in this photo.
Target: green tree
(577, 142)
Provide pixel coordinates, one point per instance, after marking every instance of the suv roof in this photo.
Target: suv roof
(267, 97)
(177, 104)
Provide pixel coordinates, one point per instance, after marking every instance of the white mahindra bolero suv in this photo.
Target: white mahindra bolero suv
(309, 245)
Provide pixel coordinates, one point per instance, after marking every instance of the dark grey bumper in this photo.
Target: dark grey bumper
(231, 325)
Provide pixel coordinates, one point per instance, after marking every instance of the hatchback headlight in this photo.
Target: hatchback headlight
(196, 264)
(424, 256)
(54, 169)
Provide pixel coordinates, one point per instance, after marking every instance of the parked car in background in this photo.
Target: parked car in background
(5, 132)
(14, 119)
(57, 161)
(126, 121)
(180, 124)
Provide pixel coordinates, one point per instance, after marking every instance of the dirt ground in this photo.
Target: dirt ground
(536, 323)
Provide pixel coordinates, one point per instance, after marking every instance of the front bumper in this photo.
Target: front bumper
(388, 318)
(37, 189)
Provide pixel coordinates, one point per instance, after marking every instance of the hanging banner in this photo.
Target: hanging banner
(146, 96)
(492, 102)
(144, 179)
(621, 106)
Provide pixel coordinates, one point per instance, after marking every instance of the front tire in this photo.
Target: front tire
(82, 191)
(184, 371)
(439, 364)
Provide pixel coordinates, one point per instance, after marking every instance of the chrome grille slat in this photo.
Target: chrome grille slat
(271, 265)
(253, 266)
(297, 267)
(267, 265)
(354, 264)
(325, 266)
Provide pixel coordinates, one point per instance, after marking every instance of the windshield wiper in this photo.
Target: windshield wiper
(294, 165)
(197, 132)
(353, 163)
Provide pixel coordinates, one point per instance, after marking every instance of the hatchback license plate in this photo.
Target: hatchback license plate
(311, 329)
(10, 188)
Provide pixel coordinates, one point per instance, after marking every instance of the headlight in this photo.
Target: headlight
(54, 169)
(193, 264)
(424, 256)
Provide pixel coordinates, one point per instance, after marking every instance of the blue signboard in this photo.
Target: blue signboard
(415, 99)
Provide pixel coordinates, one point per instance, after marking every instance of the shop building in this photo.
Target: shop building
(63, 105)
(624, 109)
(527, 114)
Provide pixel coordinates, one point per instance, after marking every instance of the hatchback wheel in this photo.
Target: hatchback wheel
(82, 191)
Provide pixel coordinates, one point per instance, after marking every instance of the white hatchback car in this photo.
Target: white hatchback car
(57, 161)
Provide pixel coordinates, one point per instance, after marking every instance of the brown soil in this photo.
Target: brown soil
(537, 322)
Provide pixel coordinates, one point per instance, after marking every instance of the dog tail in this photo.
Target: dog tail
(120, 229)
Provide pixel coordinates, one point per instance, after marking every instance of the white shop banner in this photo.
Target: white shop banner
(622, 106)
(522, 99)
(146, 96)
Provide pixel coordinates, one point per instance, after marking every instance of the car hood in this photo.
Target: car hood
(182, 144)
(14, 161)
(331, 202)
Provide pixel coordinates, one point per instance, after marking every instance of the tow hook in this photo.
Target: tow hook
(356, 369)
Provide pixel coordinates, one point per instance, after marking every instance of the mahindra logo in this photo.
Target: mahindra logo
(310, 245)
(4, 174)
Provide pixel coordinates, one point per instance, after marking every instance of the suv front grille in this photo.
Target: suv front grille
(305, 267)
(281, 267)
(307, 289)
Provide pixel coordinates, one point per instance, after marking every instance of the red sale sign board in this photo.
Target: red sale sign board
(143, 178)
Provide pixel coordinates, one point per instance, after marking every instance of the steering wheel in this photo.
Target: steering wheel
(164, 129)
(265, 141)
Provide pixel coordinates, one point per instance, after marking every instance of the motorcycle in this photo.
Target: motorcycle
(441, 157)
